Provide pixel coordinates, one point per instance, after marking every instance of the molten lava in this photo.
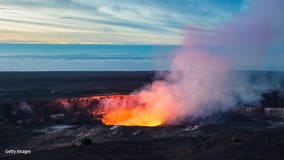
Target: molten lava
(129, 111)
(152, 106)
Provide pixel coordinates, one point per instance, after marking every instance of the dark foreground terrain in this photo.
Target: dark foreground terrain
(27, 123)
(247, 140)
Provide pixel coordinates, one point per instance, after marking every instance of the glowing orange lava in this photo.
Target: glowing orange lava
(134, 110)
(143, 109)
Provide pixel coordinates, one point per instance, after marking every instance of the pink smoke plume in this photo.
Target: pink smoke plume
(245, 40)
(198, 82)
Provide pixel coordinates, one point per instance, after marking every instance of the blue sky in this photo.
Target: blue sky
(111, 34)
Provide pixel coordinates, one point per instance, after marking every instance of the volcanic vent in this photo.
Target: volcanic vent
(119, 109)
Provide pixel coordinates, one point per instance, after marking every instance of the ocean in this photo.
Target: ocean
(84, 57)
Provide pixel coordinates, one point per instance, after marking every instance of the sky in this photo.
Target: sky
(109, 21)
(109, 34)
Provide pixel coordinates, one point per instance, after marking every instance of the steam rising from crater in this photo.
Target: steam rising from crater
(199, 82)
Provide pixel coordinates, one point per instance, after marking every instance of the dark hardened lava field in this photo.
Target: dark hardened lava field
(18, 86)
(232, 135)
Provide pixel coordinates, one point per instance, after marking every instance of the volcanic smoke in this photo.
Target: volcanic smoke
(195, 81)
(198, 82)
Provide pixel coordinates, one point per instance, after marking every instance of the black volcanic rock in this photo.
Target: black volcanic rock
(273, 99)
(86, 141)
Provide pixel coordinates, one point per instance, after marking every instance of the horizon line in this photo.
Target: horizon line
(118, 44)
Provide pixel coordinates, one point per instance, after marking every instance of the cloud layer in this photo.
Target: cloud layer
(126, 21)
